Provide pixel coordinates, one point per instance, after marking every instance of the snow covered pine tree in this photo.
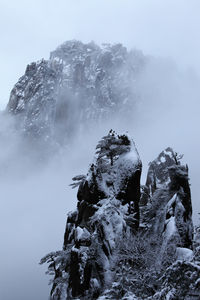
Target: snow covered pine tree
(112, 145)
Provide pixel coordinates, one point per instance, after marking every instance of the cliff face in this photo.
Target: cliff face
(79, 83)
(32, 99)
(120, 244)
(167, 188)
(107, 209)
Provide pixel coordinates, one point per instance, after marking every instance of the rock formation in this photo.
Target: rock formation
(96, 80)
(119, 244)
(167, 188)
(107, 209)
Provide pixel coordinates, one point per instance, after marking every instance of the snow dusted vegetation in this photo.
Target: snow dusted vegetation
(121, 243)
(125, 238)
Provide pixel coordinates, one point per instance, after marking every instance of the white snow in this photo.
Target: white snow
(132, 156)
(79, 233)
(170, 228)
(82, 233)
(184, 254)
(171, 201)
(20, 104)
(169, 153)
(130, 296)
(66, 70)
(163, 159)
(197, 282)
(133, 153)
(170, 295)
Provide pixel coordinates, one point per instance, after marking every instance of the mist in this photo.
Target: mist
(36, 196)
(35, 192)
(30, 30)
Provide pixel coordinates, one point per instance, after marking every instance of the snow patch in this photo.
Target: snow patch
(163, 159)
(171, 201)
(81, 234)
(184, 254)
(169, 153)
(170, 228)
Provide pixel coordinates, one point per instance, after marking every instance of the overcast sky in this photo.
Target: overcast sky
(29, 30)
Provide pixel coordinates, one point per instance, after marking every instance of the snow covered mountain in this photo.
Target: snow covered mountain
(126, 241)
(80, 83)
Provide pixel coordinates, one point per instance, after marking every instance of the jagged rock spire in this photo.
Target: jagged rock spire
(111, 249)
(107, 210)
(167, 198)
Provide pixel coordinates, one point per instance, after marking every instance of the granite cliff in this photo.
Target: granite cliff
(79, 84)
(124, 240)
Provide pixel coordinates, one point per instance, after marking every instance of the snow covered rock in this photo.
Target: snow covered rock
(168, 207)
(103, 217)
(97, 80)
(32, 99)
(180, 281)
(118, 245)
(184, 254)
(158, 173)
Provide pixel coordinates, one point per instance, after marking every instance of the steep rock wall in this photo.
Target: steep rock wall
(96, 80)
(107, 210)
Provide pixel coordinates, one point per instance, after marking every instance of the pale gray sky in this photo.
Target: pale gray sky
(29, 30)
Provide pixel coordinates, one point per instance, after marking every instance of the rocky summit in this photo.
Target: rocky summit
(80, 83)
(124, 240)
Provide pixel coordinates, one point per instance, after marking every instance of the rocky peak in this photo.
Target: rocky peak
(99, 80)
(107, 209)
(166, 199)
(116, 245)
(158, 173)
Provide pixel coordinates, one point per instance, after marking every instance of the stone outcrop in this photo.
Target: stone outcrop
(99, 81)
(107, 209)
(120, 243)
(167, 198)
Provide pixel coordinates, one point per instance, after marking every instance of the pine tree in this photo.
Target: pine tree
(112, 145)
(78, 179)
